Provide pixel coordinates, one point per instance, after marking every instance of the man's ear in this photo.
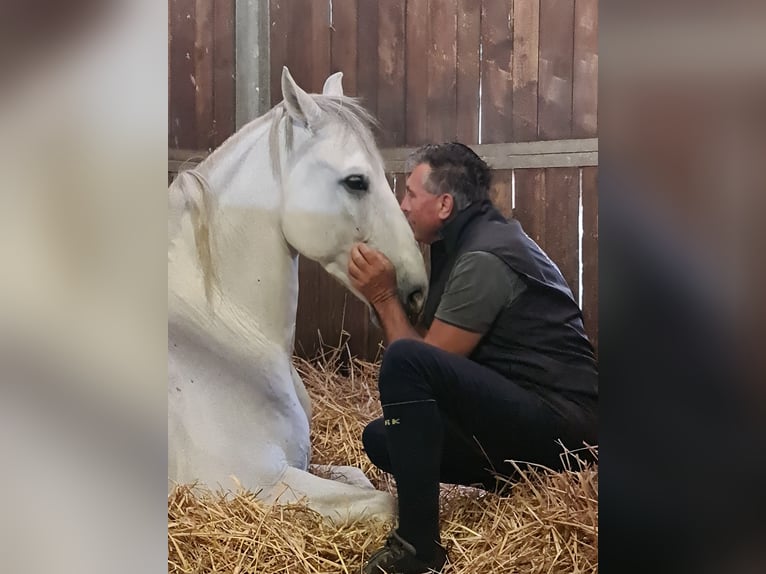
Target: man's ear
(446, 206)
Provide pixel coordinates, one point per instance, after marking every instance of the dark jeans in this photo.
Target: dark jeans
(487, 419)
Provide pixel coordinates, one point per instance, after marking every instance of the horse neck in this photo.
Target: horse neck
(257, 272)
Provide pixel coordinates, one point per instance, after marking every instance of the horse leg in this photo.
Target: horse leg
(337, 501)
(304, 400)
(300, 390)
(345, 474)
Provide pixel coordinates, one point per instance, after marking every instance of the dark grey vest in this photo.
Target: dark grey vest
(539, 341)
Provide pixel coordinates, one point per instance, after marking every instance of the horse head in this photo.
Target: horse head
(335, 191)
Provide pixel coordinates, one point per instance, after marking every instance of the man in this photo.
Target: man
(503, 372)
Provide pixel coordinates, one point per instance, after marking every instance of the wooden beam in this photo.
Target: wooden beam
(179, 159)
(540, 154)
(252, 77)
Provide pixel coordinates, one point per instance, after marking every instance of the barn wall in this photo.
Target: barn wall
(477, 71)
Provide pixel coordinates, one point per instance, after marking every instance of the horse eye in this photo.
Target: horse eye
(356, 183)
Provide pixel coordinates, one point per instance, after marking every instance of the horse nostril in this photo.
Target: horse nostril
(415, 299)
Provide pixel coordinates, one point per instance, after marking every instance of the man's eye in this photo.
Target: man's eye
(356, 183)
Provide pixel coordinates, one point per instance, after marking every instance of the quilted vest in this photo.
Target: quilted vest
(539, 341)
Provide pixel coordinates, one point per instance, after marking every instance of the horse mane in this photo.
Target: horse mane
(202, 209)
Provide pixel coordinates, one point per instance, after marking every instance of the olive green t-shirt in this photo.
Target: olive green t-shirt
(479, 287)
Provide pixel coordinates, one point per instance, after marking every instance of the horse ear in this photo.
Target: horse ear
(301, 106)
(333, 86)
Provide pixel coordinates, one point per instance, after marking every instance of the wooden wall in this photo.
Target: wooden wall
(201, 82)
(477, 71)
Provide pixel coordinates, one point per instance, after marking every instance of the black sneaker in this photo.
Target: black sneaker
(399, 557)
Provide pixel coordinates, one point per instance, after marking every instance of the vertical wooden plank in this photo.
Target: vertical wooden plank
(374, 341)
(468, 70)
(299, 47)
(367, 58)
(224, 103)
(309, 307)
(590, 252)
(391, 180)
(391, 72)
(530, 202)
(585, 91)
(556, 69)
(280, 18)
(356, 325)
(343, 43)
(400, 186)
(526, 39)
(417, 72)
(442, 66)
(547, 206)
(253, 62)
(562, 206)
(182, 115)
(318, 44)
(333, 316)
(501, 191)
(497, 82)
(203, 73)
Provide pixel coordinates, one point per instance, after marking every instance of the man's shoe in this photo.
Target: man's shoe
(399, 557)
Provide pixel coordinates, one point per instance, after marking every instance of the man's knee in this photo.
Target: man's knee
(402, 368)
(374, 442)
(405, 350)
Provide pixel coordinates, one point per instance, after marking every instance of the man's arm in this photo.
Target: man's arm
(394, 321)
(373, 275)
(451, 338)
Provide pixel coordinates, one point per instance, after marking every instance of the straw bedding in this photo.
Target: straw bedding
(548, 524)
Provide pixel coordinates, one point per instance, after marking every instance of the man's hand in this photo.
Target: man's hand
(372, 274)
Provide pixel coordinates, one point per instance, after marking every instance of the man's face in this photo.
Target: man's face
(425, 211)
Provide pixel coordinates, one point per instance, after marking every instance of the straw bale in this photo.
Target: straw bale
(547, 524)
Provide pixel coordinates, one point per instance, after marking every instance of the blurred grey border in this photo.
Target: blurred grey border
(83, 118)
(682, 459)
(83, 160)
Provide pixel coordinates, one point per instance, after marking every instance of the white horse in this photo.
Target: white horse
(306, 178)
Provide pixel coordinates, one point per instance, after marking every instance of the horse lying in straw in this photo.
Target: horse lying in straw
(305, 178)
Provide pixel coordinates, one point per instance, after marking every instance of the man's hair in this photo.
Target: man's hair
(455, 169)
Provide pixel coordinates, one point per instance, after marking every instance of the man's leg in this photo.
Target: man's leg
(413, 434)
(414, 429)
(424, 391)
(436, 406)
(502, 419)
(462, 461)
